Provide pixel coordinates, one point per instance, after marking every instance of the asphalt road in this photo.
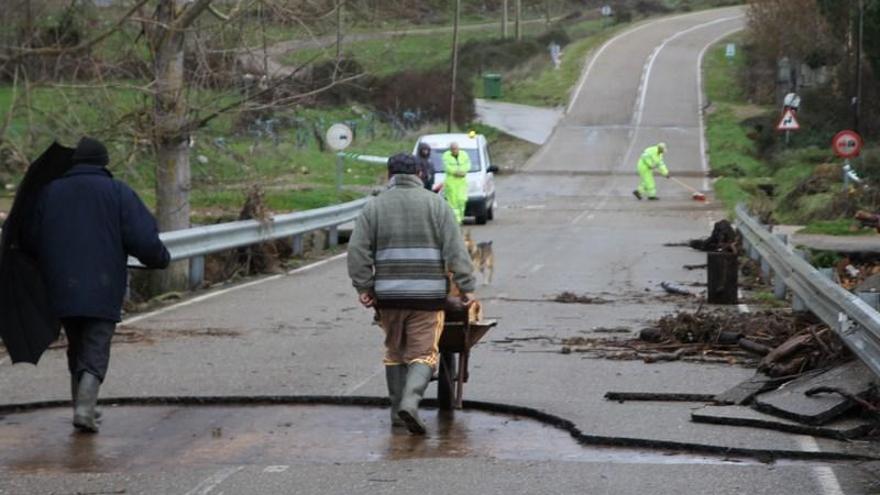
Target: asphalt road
(568, 221)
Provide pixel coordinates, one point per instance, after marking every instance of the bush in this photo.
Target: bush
(425, 94)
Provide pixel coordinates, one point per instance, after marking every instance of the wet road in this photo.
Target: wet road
(567, 222)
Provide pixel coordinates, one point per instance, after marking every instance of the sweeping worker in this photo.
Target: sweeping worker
(651, 160)
(456, 165)
(404, 243)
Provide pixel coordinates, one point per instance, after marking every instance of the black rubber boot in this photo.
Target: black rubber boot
(73, 388)
(84, 417)
(653, 198)
(417, 378)
(637, 194)
(395, 376)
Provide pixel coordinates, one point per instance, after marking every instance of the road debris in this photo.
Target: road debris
(846, 429)
(658, 397)
(572, 298)
(675, 290)
(778, 343)
(793, 402)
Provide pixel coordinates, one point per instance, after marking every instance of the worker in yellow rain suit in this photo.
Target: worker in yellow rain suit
(651, 159)
(456, 165)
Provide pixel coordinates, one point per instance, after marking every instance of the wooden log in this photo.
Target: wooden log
(723, 278)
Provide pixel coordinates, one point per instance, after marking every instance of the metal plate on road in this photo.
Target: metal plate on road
(339, 137)
(847, 144)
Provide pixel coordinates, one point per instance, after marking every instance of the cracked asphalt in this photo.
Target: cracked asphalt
(567, 222)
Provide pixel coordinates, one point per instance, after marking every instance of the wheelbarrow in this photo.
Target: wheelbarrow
(463, 328)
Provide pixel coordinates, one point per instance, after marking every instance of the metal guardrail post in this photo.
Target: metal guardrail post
(871, 298)
(196, 272)
(297, 245)
(333, 237)
(798, 304)
(779, 287)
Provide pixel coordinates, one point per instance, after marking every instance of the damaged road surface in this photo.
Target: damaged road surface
(572, 225)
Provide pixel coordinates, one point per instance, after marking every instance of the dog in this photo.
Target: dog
(482, 256)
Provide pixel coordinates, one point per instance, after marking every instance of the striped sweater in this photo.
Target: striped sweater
(404, 243)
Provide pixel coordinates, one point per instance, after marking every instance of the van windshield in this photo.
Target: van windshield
(437, 159)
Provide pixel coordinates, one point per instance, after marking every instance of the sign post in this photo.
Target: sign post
(848, 144)
(338, 138)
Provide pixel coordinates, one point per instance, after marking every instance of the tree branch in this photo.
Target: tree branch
(48, 51)
(190, 14)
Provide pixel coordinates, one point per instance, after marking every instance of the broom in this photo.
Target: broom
(695, 195)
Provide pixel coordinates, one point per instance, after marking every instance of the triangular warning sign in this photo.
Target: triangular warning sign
(788, 122)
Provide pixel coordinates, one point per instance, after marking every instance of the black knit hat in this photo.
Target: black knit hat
(92, 152)
(403, 163)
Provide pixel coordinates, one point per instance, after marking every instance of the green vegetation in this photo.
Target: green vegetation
(836, 227)
(797, 184)
(412, 51)
(536, 82)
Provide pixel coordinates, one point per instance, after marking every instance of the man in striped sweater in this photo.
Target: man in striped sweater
(404, 244)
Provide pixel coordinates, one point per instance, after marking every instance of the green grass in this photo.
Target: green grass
(542, 84)
(411, 51)
(842, 227)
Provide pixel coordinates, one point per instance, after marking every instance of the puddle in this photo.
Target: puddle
(144, 438)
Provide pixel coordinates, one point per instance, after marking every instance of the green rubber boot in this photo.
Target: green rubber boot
(84, 417)
(417, 378)
(395, 376)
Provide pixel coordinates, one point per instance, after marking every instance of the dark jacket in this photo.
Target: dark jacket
(85, 226)
(426, 166)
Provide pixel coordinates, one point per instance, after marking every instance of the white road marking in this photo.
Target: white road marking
(595, 56)
(825, 476)
(276, 469)
(649, 67)
(704, 160)
(354, 388)
(213, 481)
(536, 268)
(211, 295)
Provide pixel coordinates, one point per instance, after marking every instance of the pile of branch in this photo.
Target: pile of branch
(777, 343)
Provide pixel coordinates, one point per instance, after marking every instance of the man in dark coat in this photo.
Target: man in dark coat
(85, 226)
(426, 168)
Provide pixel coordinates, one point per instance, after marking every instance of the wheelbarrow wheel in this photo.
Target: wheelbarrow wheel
(446, 381)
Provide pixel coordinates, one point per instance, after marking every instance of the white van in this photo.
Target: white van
(481, 178)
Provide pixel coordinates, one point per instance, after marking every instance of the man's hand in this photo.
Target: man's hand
(468, 298)
(367, 299)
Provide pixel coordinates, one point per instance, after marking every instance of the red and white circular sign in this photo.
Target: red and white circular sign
(847, 144)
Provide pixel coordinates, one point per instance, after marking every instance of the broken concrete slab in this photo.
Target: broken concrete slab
(744, 392)
(745, 416)
(790, 401)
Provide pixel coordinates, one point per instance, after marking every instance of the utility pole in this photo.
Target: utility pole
(454, 66)
(504, 11)
(339, 4)
(518, 20)
(858, 98)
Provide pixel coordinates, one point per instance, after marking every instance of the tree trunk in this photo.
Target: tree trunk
(171, 138)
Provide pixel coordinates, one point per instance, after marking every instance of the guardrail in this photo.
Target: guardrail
(197, 242)
(854, 320)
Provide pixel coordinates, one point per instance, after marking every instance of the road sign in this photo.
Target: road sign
(792, 100)
(339, 137)
(788, 122)
(606, 11)
(731, 50)
(847, 144)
